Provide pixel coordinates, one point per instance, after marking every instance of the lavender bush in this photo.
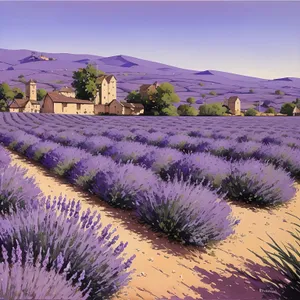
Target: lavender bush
(84, 171)
(62, 159)
(4, 158)
(38, 150)
(60, 226)
(16, 189)
(187, 213)
(254, 182)
(119, 188)
(97, 144)
(34, 281)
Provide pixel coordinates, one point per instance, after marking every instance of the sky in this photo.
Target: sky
(254, 38)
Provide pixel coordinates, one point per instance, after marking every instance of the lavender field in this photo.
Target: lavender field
(132, 72)
(188, 186)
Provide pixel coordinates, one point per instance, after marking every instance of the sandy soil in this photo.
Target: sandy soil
(165, 270)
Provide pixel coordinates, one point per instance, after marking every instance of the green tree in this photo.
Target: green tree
(251, 112)
(297, 102)
(159, 102)
(84, 82)
(271, 110)
(187, 110)
(279, 92)
(41, 93)
(6, 95)
(287, 108)
(171, 110)
(213, 93)
(213, 109)
(191, 100)
(18, 93)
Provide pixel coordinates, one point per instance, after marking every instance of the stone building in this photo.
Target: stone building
(148, 89)
(56, 103)
(67, 91)
(106, 89)
(29, 103)
(233, 104)
(296, 111)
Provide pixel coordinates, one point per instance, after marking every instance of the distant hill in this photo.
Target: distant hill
(131, 72)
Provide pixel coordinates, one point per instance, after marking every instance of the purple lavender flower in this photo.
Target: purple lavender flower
(84, 172)
(119, 188)
(258, 183)
(28, 281)
(187, 213)
(16, 189)
(62, 159)
(38, 150)
(75, 237)
(98, 144)
(4, 158)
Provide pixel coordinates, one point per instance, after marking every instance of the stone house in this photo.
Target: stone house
(106, 89)
(29, 103)
(296, 111)
(147, 89)
(119, 108)
(67, 91)
(56, 103)
(233, 104)
(132, 108)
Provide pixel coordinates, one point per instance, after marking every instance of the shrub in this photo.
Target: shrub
(187, 110)
(40, 149)
(279, 92)
(258, 183)
(61, 227)
(271, 110)
(62, 159)
(214, 109)
(119, 186)
(16, 190)
(251, 91)
(213, 93)
(29, 281)
(84, 171)
(183, 142)
(251, 112)
(98, 144)
(4, 158)
(285, 261)
(287, 109)
(191, 100)
(189, 214)
(200, 168)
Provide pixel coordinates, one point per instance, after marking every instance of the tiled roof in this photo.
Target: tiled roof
(232, 99)
(58, 98)
(66, 89)
(132, 105)
(19, 103)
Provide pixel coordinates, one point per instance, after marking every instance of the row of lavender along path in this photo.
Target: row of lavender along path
(50, 248)
(196, 167)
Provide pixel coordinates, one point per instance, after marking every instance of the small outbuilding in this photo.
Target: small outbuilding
(296, 111)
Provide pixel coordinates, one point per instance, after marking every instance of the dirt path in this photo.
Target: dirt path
(165, 270)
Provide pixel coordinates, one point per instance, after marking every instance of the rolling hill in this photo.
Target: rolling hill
(131, 72)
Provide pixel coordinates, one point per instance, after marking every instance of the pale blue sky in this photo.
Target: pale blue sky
(259, 39)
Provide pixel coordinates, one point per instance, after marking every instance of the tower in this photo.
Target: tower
(30, 90)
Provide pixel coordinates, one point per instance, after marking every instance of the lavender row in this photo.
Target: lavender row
(281, 156)
(279, 134)
(189, 213)
(249, 181)
(42, 253)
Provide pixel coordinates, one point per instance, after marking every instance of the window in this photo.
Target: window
(78, 107)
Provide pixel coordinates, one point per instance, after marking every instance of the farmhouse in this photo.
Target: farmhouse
(67, 91)
(29, 103)
(147, 89)
(296, 111)
(119, 108)
(233, 104)
(106, 89)
(132, 108)
(56, 103)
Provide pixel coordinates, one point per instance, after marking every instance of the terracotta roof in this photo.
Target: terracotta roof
(132, 105)
(100, 79)
(66, 89)
(19, 103)
(145, 86)
(31, 80)
(232, 99)
(109, 78)
(59, 98)
(35, 102)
